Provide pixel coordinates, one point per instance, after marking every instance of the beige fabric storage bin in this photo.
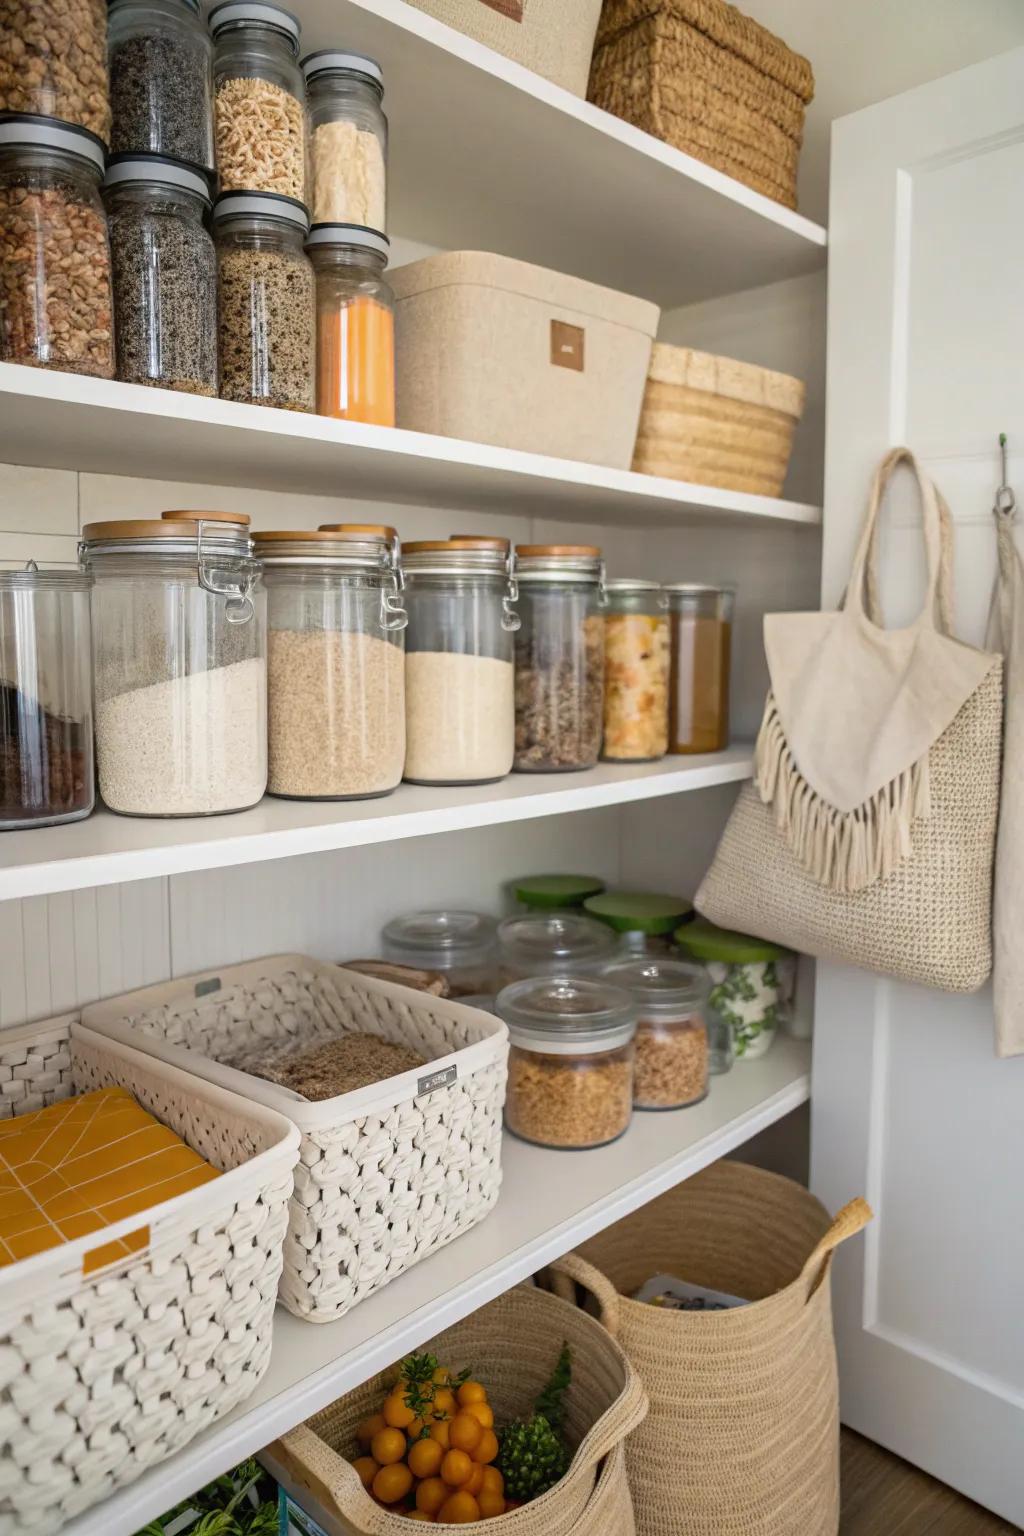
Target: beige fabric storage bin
(504, 352)
(714, 421)
(553, 37)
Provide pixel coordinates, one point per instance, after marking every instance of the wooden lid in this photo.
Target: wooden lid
(242, 518)
(170, 525)
(570, 551)
(480, 541)
(359, 530)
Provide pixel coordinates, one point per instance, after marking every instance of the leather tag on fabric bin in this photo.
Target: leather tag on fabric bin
(567, 345)
(513, 9)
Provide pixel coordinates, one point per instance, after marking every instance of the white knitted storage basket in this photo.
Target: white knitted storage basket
(387, 1174)
(103, 1375)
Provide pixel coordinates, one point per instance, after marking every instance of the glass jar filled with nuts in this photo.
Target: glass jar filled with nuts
(259, 99)
(53, 61)
(671, 1034)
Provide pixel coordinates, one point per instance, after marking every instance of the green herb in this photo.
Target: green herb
(242, 1503)
(533, 1454)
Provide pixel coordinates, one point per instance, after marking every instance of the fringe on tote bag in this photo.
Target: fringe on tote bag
(868, 833)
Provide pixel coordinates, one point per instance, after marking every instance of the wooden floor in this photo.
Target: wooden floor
(884, 1496)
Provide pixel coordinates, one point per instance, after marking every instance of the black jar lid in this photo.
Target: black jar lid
(262, 12)
(129, 166)
(29, 131)
(359, 235)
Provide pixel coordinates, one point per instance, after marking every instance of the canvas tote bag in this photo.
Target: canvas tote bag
(868, 833)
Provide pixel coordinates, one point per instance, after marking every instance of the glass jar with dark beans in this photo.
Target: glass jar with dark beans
(161, 80)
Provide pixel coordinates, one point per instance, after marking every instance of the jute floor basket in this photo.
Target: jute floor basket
(742, 1438)
(511, 1345)
(553, 37)
(714, 421)
(709, 81)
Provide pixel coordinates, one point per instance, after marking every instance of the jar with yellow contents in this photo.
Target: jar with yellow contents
(636, 671)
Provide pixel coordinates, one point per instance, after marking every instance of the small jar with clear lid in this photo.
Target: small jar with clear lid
(259, 100)
(161, 80)
(266, 301)
(165, 273)
(355, 324)
(748, 983)
(335, 662)
(46, 767)
(348, 138)
(459, 945)
(644, 921)
(671, 1069)
(559, 657)
(570, 1060)
(555, 893)
(459, 699)
(701, 654)
(179, 663)
(55, 292)
(552, 944)
(636, 656)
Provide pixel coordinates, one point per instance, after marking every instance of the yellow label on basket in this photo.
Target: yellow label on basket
(567, 345)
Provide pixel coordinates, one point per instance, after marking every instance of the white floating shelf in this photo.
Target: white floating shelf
(550, 1201)
(486, 155)
(61, 421)
(106, 849)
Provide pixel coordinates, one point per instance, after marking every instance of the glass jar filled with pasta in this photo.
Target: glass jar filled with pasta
(701, 640)
(559, 657)
(259, 99)
(355, 324)
(636, 655)
(348, 138)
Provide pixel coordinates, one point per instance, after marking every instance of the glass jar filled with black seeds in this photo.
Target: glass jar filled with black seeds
(165, 273)
(161, 80)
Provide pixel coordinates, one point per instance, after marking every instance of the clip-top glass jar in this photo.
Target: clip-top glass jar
(748, 983)
(559, 657)
(335, 662)
(355, 324)
(259, 101)
(570, 1060)
(348, 138)
(701, 624)
(552, 944)
(636, 655)
(55, 295)
(161, 80)
(644, 920)
(459, 698)
(460, 945)
(671, 1069)
(46, 770)
(179, 657)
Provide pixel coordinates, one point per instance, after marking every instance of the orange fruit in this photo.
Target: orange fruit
(388, 1446)
(397, 1412)
(431, 1494)
(486, 1448)
(483, 1413)
(440, 1431)
(465, 1432)
(415, 1429)
(425, 1458)
(444, 1401)
(460, 1509)
(456, 1468)
(367, 1469)
(442, 1376)
(369, 1427)
(491, 1504)
(392, 1483)
(493, 1480)
(472, 1392)
(476, 1480)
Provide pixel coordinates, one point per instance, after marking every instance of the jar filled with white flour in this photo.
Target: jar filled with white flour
(179, 659)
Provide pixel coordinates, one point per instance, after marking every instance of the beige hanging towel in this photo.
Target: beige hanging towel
(1006, 634)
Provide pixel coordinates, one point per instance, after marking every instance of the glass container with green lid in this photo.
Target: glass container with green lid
(555, 893)
(458, 944)
(570, 1070)
(644, 920)
(747, 977)
(671, 1068)
(552, 944)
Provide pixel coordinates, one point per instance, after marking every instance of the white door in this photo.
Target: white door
(910, 1105)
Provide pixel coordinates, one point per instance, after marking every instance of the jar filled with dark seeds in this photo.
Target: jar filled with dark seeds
(161, 80)
(165, 273)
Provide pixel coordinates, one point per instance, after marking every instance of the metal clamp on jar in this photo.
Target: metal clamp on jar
(179, 649)
(559, 657)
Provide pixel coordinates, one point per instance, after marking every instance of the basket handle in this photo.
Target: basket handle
(853, 1217)
(344, 1496)
(575, 1270)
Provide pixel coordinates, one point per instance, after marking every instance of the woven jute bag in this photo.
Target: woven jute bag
(742, 1437)
(555, 38)
(868, 834)
(511, 1345)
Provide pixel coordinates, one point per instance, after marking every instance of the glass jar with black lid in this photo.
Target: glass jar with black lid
(348, 138)
(161, 80)
(259, 99)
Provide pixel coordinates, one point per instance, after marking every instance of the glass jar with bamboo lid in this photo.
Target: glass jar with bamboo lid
(559, 657)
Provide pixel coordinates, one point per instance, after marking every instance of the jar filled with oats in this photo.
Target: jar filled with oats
(570, 1065)
(636, 654)
(259, 100)
(671, 1069)
(348, 138)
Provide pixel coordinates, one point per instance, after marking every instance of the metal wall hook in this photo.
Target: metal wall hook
(1005, 504)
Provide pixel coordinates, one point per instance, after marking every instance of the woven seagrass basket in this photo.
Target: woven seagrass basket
(387, 1174)
(709, 81)
(714, 421)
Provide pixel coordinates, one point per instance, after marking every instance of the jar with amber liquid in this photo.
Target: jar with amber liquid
(701, 645)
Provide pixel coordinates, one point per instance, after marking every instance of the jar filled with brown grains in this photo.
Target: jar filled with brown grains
(635, 672)
(570, 1064)
(671, 1034)
(55, 291)
(335, 662)
(259, 100)
(559, 657)
(701, 641)
(266, 302)
(53, 61)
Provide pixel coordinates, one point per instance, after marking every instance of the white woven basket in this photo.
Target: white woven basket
(387, 1174)
(103, 1375)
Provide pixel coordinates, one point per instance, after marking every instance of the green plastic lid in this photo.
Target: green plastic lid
(705, 941)
(639, 911)
(546, 893)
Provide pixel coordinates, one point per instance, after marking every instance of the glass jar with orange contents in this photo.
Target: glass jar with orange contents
(701, 649)
(355, 324)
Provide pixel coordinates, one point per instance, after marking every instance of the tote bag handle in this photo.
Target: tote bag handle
(861, 596)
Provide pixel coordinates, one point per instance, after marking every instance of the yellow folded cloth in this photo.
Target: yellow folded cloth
(82, 1165)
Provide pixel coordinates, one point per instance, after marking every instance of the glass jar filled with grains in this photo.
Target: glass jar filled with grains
(555, 893)
(46, 771)
(165, 273)
(266, 302)
(644, 921)
(355, 324)
(671, 1068)
(161, 80)
(459, 700)
(747, 977)
(559, 657)
(53, 61)
(570, 1060)
(55, 294)
(179, 661)
(636, 653)
(458, 945)
(701, 640)
(259, 101)
(335, 662)
(348, 138)
(552, 944)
